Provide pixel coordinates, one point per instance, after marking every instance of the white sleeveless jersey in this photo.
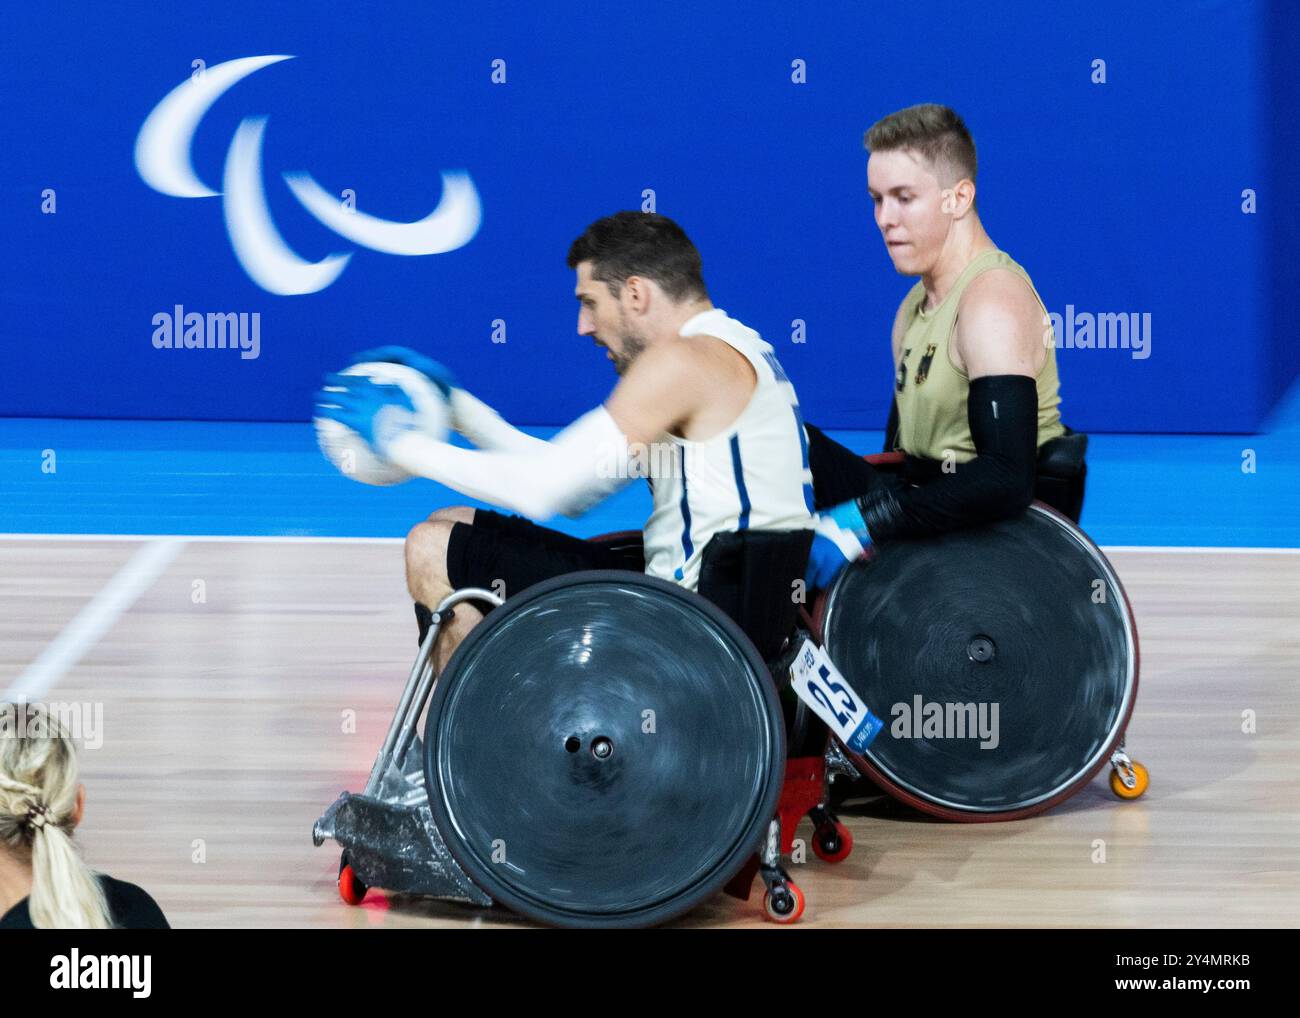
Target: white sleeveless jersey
(752, 475)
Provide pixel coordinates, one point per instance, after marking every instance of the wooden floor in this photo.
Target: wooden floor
(223, 740)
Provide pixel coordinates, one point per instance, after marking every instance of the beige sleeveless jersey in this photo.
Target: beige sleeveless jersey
(932, 392)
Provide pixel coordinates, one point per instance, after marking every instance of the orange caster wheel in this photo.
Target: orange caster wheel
(783, 903)
(1140, 780)
(832, 843)
(351, 889)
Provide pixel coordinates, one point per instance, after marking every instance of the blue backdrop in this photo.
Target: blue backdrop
(1118, 197)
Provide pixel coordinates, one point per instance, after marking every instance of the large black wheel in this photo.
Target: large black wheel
(606, 749)
(1020, 628)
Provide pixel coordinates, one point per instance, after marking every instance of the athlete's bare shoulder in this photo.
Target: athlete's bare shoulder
(691, 362)
(998, 285)
(999, 326)
(722, 362)
(665, 387)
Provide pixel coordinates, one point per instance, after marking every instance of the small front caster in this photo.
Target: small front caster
(1128, 778)
(783, 902)
(351, 889)
(832, 842)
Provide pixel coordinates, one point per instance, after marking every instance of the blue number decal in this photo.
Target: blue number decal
(848, 703)
(820, 696)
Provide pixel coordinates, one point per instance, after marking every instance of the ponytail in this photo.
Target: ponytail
(38, 799)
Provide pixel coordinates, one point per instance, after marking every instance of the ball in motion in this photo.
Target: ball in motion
(352, 455)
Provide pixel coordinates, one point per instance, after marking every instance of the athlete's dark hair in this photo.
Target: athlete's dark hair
(935, 131)
(641, 244)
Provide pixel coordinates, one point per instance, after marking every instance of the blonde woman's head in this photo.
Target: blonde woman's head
(40, 805)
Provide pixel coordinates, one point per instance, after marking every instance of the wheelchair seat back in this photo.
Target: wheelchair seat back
(755, 576)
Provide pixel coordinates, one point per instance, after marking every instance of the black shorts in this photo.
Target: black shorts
(510, 550)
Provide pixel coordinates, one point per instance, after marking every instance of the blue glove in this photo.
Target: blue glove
(825, 562)
(436, 373)
(834, 546)
(378, 413)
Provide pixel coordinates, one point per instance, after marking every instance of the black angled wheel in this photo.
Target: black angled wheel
(606, 749)
(1003, 660)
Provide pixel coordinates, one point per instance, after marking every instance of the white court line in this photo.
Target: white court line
(95, 619)
(290, 539)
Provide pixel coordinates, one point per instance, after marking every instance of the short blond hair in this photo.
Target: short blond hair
(934, 131)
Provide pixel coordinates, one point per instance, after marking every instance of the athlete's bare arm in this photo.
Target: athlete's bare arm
(999, 328)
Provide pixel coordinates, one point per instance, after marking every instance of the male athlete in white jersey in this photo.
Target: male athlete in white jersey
(701, 397)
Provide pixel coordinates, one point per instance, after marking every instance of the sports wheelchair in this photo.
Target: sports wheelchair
(607, 749)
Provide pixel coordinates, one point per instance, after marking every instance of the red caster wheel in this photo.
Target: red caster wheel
(832, 843)
(783, 903)
(351, 889)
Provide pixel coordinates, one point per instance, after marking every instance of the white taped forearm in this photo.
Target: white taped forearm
(845, 540)
(586, 462)
(485, 427)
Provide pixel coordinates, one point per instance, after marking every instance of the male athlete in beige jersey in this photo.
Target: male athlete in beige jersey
(976, 387)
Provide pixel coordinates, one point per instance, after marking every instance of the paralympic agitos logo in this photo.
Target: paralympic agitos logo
(162, 156)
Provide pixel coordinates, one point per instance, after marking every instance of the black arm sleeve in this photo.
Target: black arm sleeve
(839, 474)
(997, 483)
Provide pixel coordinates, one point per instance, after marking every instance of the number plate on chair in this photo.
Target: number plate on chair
(821, 686)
